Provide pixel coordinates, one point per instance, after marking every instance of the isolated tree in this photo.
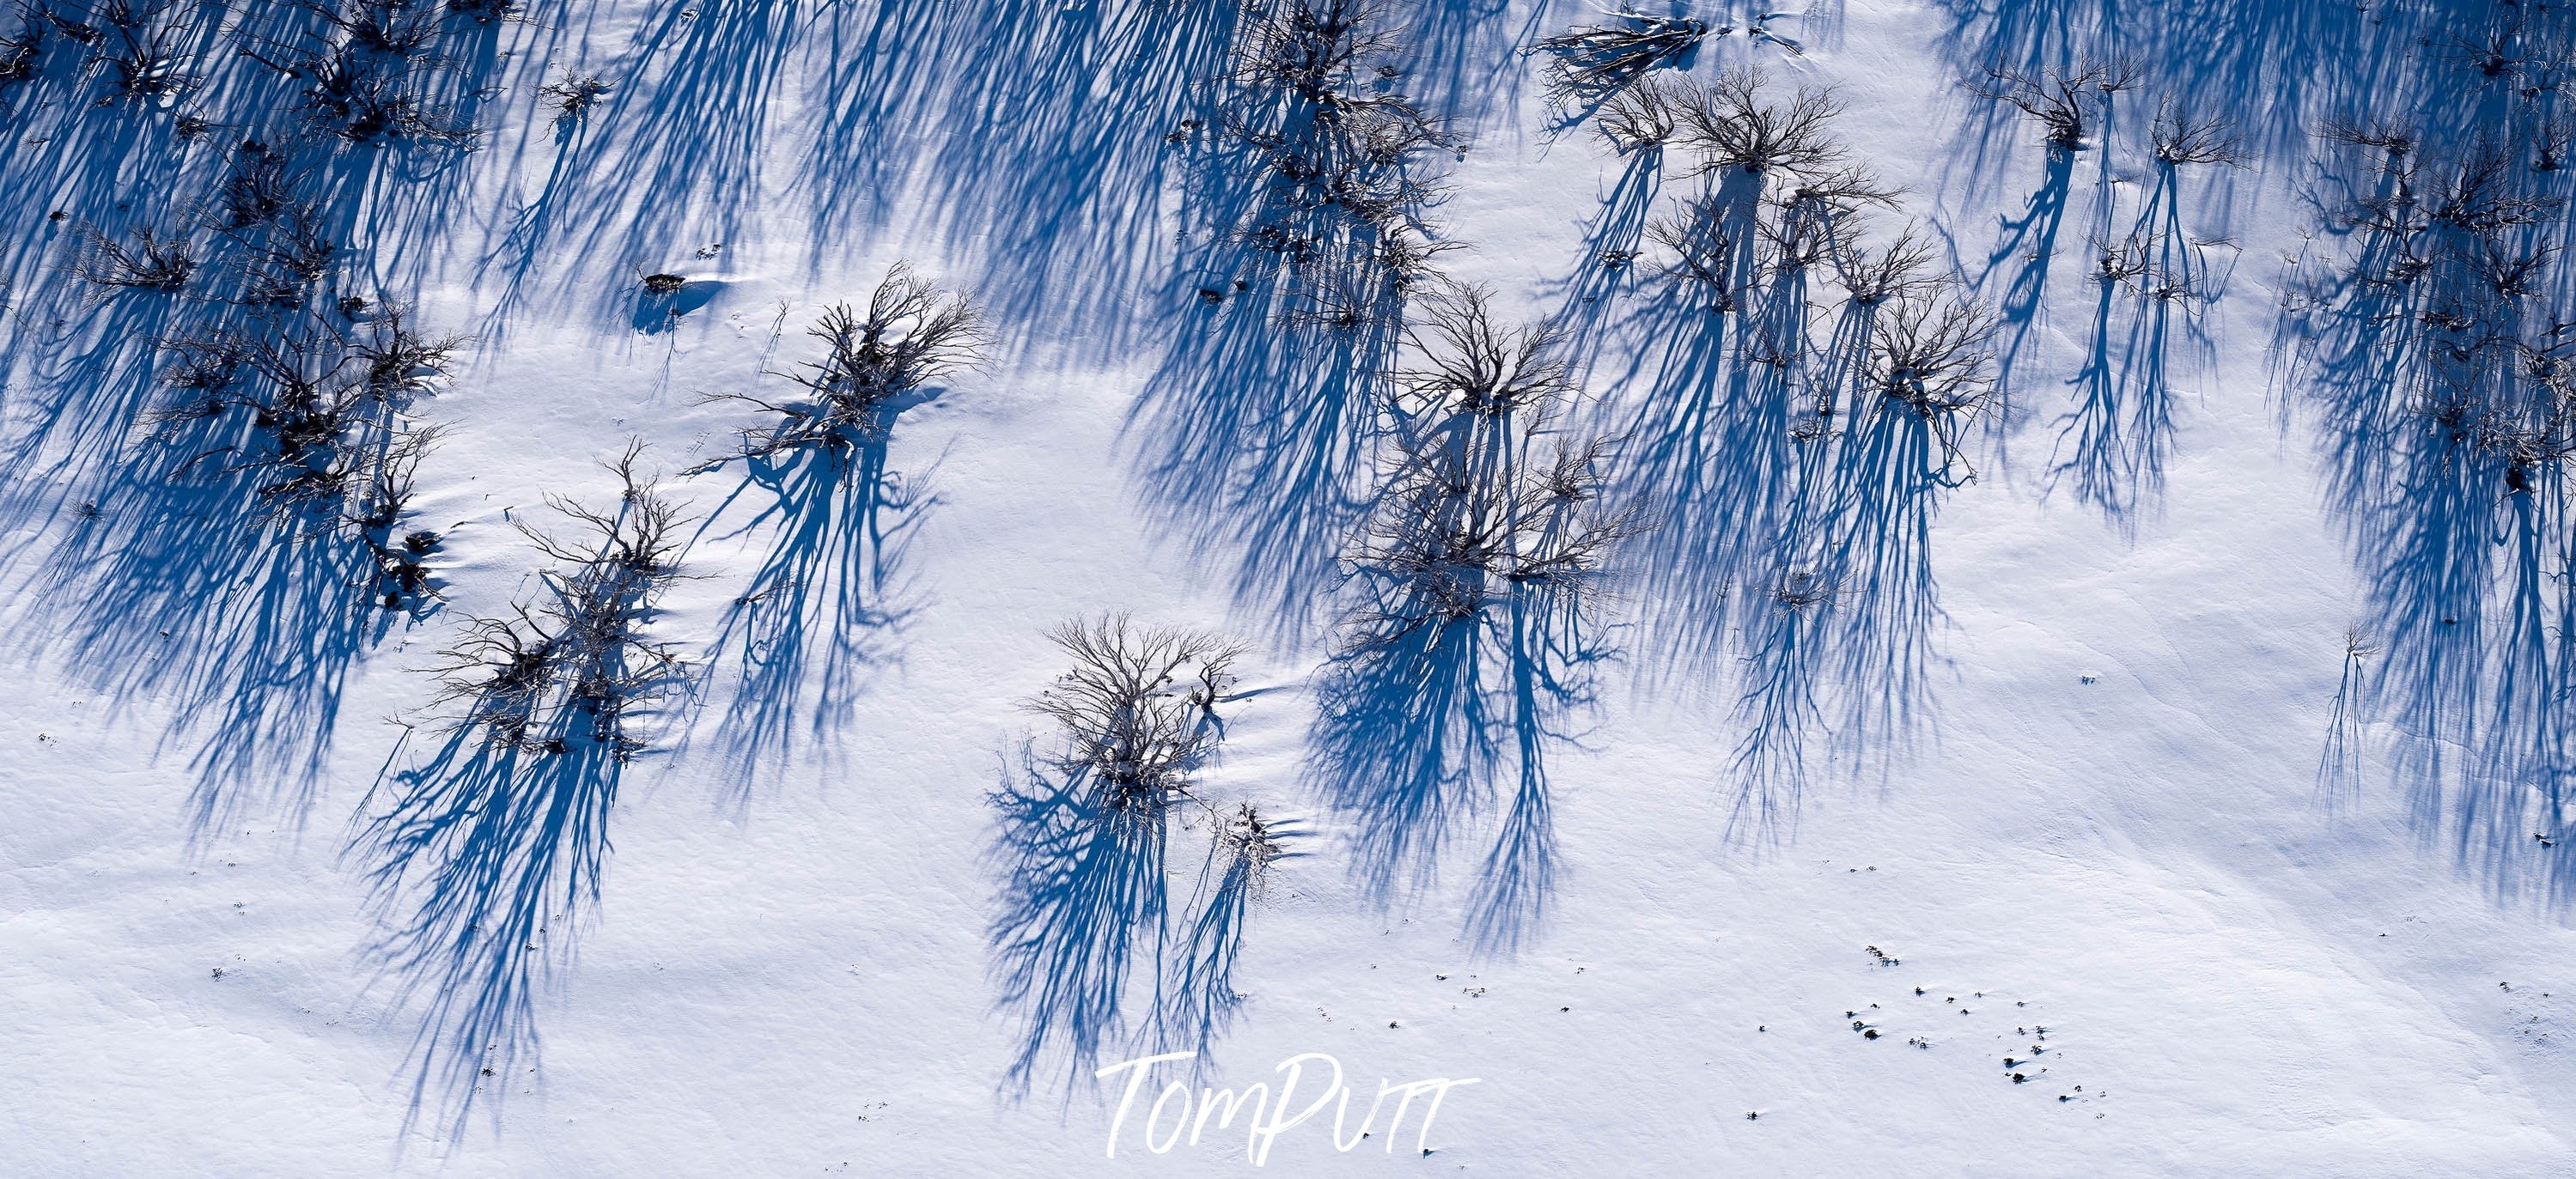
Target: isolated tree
(1135, 716)
(2062, 99)
(910, 333)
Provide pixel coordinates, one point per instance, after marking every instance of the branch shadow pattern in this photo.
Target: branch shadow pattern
(1090, 949)
(176, 578)
(1306, 226)
(2153, 283)
(829, 601)
(1791, 490)
(485, 857)
(484, 863)
(1421, 738)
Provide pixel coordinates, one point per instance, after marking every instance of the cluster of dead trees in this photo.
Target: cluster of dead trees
(1482, 499)
(367, 71)
(276, 377)
(139, 50)
(371, 71)
(313, 409)
(1780, 221)
(1588, 63)
(571, 665)
(575, 661)
(2453, 283)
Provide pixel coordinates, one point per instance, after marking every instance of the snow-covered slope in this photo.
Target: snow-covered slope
(2192, 760)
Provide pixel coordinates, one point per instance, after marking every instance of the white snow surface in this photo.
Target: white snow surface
(2107, 820)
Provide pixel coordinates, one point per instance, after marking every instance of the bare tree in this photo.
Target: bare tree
(1250, 844)
(394, 28)
(1934, 356)
(1468, 517)
(1471, 365)
(327, 445)
(257, 189)
(1735, 126)
(151, 261)
(1334, 158)
(2478, 192)
(1707, 255)
(1902, 269)
(1589, 61)
(1344, 302)
(2182, 136)
(1809, 220)
(22, 52)
(2550, 142)
(1311, 47)
(281, 263)
(1647, 113)
(364, 96)
(1471, 510)
(576, 665)
(1136, 713)
(2392, 138)
(574, 95)
(140, 54)
(910, 333)
(2062, 99)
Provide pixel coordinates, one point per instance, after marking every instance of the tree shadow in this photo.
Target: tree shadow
(1416, 735)
(1704, 453)
(1613, 242)
(1196, 1003)
(2114, 441)
(2025, 249)
(2429, 357)
(1253, 440)
(828, 603)
(1084, 919)
(1839, 644)
(484, 864)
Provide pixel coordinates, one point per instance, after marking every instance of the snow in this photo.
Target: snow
(2107, 819)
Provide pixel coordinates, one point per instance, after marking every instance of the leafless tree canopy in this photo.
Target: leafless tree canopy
(371, 74)
(1473, 509)
(139, 52)
(21, 52)
(1735, 124)
(574, 94)
(910, 333)
(1136, 713)
(2184, 136)
(1472, 365)
(313, 413)
(1934, 356)
(1587, 62)
(1647, 112)
(576, 664)
(2062, 99)
(146, 260)
(1335, 159)
(1901, 269)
